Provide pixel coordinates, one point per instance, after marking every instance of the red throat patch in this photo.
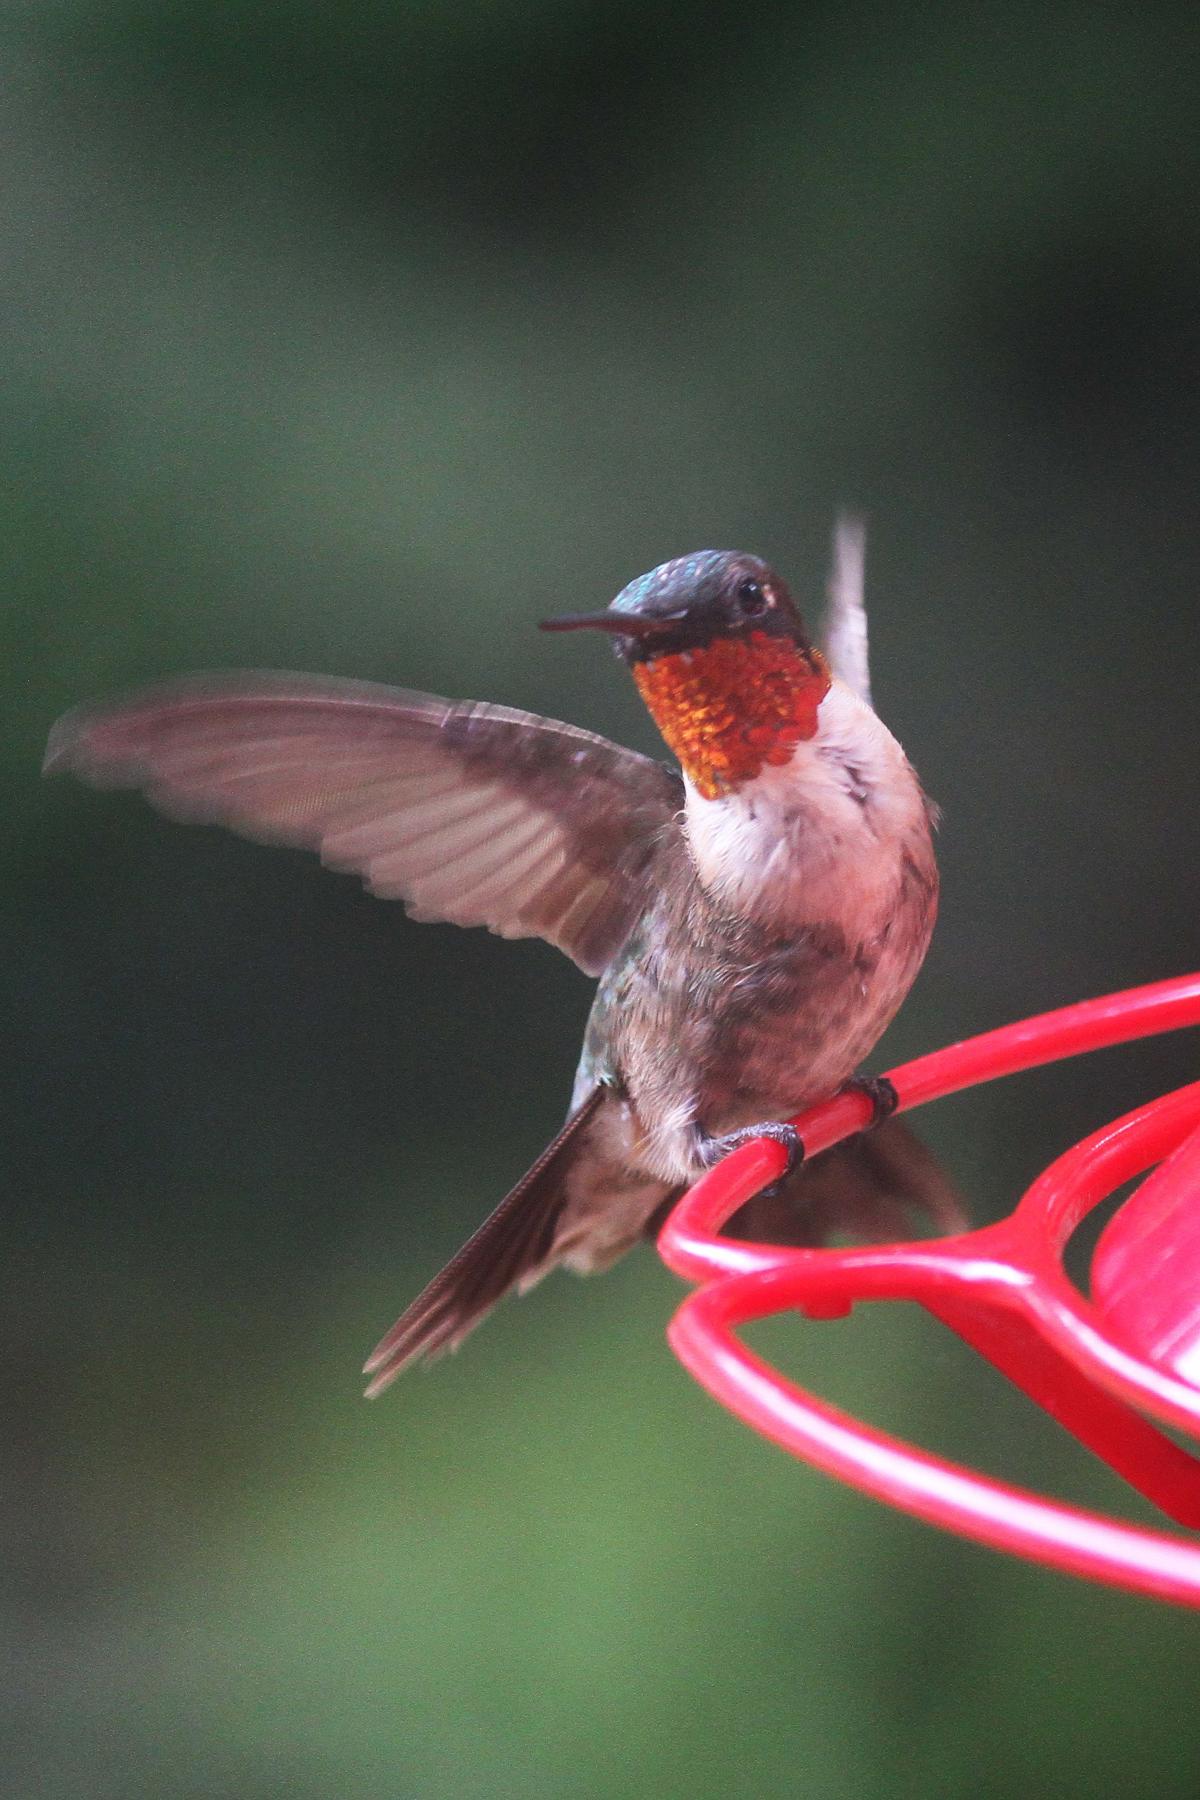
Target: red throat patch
(734, 707)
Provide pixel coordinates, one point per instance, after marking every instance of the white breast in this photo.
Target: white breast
(819, 839)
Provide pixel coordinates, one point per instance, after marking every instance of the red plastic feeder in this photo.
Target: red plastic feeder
(1112, 1370)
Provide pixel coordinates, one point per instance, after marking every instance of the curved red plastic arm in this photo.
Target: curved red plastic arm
(1112, 1371)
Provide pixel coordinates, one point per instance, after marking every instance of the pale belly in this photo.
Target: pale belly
(702, 1044)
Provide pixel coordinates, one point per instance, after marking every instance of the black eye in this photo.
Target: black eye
(751, 598)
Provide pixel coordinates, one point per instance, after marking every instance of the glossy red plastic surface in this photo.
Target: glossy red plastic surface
(1112, 1371)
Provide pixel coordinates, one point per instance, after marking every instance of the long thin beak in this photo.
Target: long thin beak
(621, 624)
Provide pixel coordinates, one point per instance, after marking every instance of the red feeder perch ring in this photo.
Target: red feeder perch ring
(1112, 1370)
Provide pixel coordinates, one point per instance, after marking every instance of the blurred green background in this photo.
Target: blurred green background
(356, 338)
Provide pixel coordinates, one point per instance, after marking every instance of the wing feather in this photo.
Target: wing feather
(845, 624)
(470, 813)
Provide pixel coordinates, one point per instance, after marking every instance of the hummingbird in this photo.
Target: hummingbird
(755, 912)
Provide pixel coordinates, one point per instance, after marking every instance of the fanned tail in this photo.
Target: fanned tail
(509, 1250)
(877, 1187)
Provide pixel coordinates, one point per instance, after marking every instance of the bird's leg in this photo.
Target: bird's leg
(875, 1088)
(879, 1091)
(712, 1149)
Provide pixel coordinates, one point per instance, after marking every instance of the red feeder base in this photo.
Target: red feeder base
(1112, 1370)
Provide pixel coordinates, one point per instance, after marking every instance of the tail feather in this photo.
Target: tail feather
(880, 1186)
(510, 1249)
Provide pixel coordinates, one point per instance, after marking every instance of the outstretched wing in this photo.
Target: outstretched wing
(476, 814)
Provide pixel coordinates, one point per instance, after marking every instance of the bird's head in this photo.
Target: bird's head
(722, 660)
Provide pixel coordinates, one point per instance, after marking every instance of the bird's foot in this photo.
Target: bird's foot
(879, 1091)
(713, 1150)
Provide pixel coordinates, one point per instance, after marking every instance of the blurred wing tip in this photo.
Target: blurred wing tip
(67, 745)
(850, 528)
(71, 748)
(845, 625)
(61, 744)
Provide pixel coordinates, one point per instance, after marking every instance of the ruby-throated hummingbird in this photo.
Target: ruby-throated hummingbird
(755, 915)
